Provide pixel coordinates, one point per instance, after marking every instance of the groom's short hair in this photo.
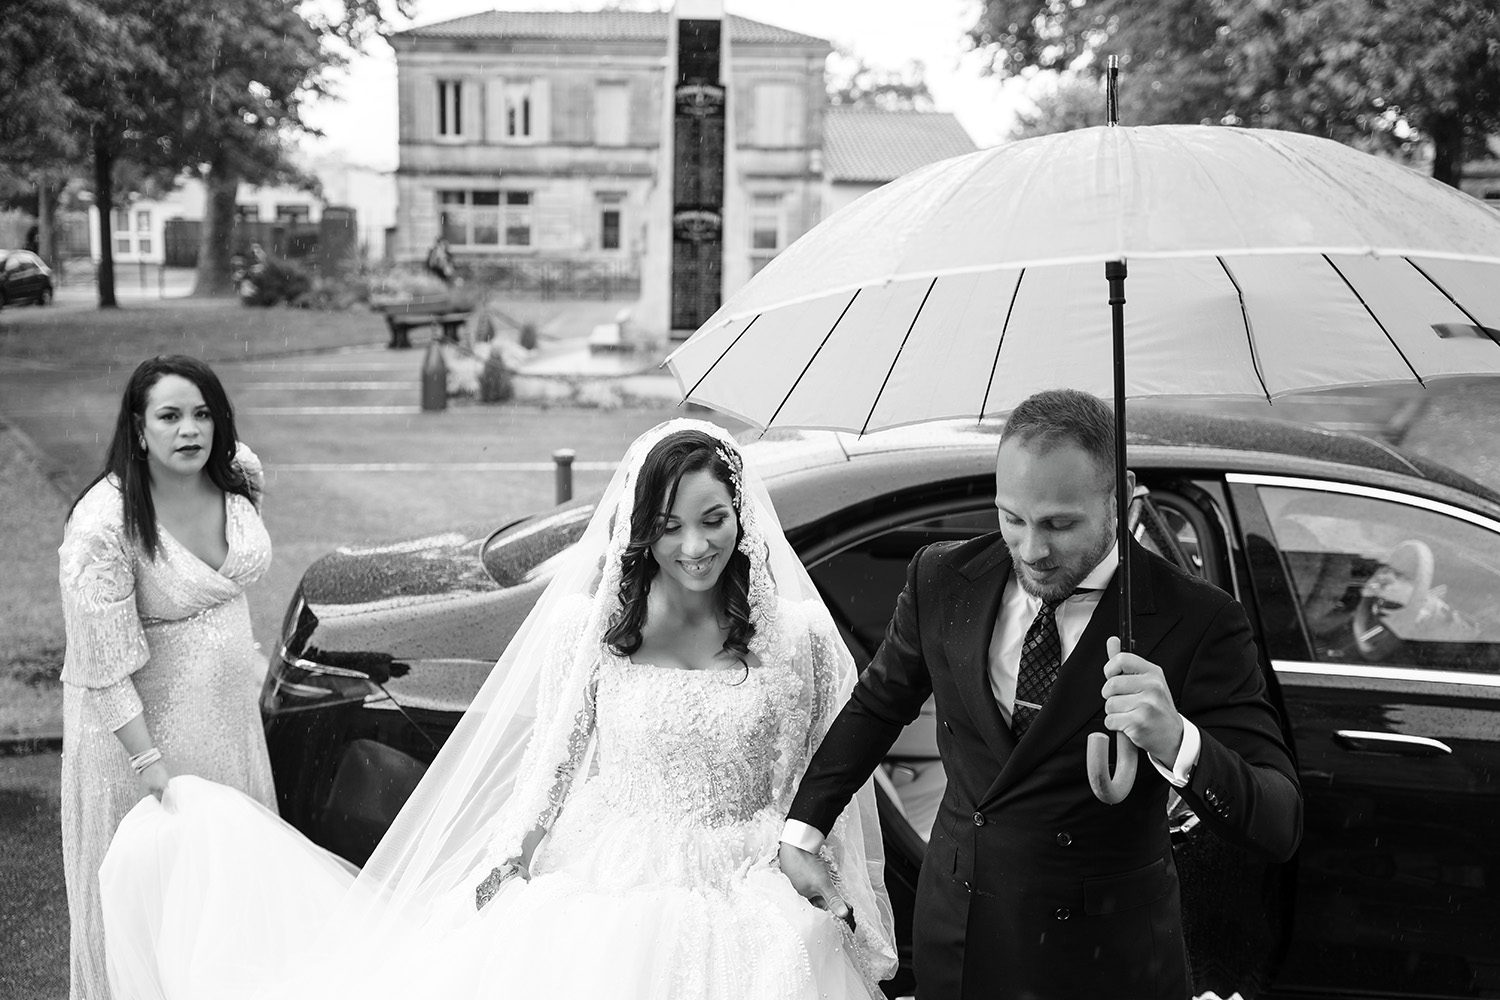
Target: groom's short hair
(1050, 417)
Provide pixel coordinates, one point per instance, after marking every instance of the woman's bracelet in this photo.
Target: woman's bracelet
(140, 761)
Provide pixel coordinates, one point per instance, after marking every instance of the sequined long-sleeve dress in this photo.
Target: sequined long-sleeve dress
(169, 637)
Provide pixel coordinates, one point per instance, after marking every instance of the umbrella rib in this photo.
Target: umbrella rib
(891, 370)
(1446, 294)
(722, 355)
(814, 357)
(1004, 327)
(1249, 334)
(1414, 373)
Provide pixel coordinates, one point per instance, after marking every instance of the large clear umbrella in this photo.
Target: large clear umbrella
(1260, 263)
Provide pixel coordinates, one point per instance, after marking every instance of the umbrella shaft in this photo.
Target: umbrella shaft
(1114, 273)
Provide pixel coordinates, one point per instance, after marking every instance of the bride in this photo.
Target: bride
(603, 821)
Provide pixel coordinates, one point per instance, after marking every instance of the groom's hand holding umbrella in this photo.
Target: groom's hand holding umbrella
(810, 876)
(1138, 703)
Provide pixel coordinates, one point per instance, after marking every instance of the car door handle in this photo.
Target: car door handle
(1396, 743)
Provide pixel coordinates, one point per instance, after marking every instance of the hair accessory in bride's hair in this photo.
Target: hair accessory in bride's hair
(731, 460)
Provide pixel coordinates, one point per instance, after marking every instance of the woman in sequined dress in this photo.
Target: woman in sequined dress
(604, 820)
(160, 673)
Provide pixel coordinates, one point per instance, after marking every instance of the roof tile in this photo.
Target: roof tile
(870, 145)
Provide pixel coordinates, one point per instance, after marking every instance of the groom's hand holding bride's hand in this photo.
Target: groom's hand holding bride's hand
(1138, 703)
(812, 879)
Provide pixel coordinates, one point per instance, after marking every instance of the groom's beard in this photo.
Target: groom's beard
(1074, 569)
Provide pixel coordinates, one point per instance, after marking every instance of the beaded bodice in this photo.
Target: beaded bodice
(694, 745)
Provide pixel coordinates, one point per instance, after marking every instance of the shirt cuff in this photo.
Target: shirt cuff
(799, 834)
(1187, 757)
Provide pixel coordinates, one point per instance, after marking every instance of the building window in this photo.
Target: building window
(143, 231)
(609, 229)
(293, 213)
(520, 110)
(611, 114)
(450, 109)
(778, 116)
(767, 229)
(122, 231)
(479, 218)
(611, 218)
(518, 218)
(247, 213)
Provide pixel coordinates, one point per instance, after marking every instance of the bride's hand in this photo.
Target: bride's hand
(811, 877)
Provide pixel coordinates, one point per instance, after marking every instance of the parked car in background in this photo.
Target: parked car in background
(1372, 579)
(24, 277)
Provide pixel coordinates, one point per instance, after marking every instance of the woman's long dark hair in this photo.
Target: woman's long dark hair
(126, 460)
(673, 457)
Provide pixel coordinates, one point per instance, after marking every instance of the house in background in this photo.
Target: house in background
(533, 139)
(865, 148)
(152, 230)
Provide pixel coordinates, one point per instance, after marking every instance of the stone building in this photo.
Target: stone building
(532, 140)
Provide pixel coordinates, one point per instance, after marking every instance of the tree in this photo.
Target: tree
(852, 82)
(1175, 65)
(1373, 73)
(1074, 100)
(255, 64)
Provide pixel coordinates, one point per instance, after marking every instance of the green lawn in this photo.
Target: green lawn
(211, 329)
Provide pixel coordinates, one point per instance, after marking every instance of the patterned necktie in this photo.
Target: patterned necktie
(1041, 659)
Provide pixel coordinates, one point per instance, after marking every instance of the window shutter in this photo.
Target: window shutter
(406, 108)
(494, 109)
(470, 126)
(541, 109)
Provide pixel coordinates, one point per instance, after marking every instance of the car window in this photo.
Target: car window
(1378, 581)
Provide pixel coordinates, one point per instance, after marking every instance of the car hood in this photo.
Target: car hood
(400, 573)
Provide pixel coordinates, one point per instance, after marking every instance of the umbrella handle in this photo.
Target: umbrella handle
(1111, 788)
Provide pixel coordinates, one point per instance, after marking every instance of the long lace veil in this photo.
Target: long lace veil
(497, 773)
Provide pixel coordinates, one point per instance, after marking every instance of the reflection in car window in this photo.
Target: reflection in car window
(860, 586)
(1384, 582)
(513, 556)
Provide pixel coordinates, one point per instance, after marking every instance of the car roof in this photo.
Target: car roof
(1157, 437)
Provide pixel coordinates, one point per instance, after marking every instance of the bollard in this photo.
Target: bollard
(434, 378)
(562, 459)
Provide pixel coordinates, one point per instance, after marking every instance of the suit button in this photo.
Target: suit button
(979, 819)
(1063, 913)
(1063, 840)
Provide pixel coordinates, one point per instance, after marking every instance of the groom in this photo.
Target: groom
(1032, 888)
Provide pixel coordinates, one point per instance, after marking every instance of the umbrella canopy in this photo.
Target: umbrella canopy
(1260, 263)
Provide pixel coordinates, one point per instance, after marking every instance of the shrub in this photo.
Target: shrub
(495, 383)
(527, 337)
(274, 281)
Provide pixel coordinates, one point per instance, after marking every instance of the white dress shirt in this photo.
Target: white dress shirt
(1017, 609)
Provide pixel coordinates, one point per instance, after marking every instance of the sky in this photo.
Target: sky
(888, 33)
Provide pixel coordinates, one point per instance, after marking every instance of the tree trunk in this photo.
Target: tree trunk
(104, 201)
(215, 276)
(1448, 150)
(46, 204)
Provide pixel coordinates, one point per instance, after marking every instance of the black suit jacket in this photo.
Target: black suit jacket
(1031, 887)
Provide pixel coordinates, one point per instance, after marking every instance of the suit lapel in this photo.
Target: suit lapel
(1075, 698)
(971, 625)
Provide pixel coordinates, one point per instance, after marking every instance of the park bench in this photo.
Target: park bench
(447, 312)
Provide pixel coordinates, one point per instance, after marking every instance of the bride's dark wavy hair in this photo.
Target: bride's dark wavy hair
(673, 457)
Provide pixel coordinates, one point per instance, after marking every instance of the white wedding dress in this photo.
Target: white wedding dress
(662, 793)
(655, 882)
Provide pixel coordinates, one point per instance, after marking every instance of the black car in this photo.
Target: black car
(1372, 576)
(24, 277)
